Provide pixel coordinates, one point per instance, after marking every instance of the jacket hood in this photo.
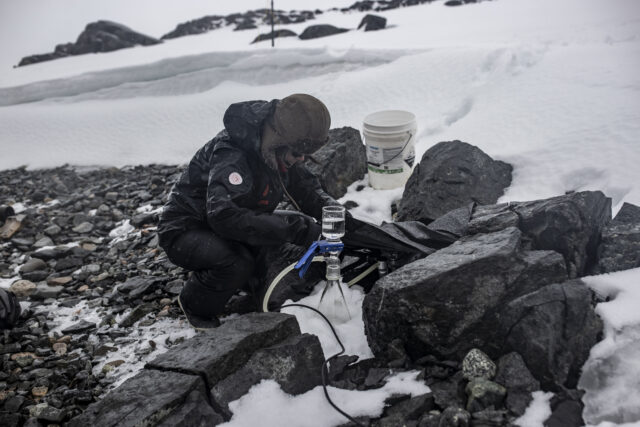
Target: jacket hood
(244, 122)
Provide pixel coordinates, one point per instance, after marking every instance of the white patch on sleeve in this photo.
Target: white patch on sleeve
(235, 178)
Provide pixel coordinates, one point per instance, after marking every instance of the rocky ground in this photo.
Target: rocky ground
(82, 255)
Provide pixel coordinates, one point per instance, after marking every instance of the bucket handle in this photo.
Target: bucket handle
(401, 151)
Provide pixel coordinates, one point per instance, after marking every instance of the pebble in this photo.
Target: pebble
(23, 288)
(39, 391)
(60, 348)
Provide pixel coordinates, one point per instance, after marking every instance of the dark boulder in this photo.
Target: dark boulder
(218, 353)
(274, 34)
(449, 302)
(106, 36)
(322, 30)
(451, 175)
(100, 36)
(341, 162)
(146, 399)
(373, 23)
(620, 245)
(570, 224)
(195, 411)
(553, 328)
(514, 375)
(294, 363)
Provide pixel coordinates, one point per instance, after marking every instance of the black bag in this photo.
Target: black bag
(9, 309)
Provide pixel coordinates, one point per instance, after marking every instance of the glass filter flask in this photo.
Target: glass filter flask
(332, 301)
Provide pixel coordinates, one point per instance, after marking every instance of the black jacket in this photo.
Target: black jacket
(228, 188)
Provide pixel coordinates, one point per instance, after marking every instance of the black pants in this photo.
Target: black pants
(219, 268)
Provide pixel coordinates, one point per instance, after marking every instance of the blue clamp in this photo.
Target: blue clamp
(317, 247)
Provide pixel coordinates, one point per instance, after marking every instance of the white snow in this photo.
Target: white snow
(350, 331)
(611, 376)
(550, 87)
(537, 411)
(267, 405)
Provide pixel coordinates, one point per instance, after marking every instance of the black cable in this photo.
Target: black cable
(325, 370)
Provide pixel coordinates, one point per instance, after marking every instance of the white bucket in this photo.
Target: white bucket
(389, 137)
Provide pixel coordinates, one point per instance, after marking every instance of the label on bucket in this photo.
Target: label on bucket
(388, 160)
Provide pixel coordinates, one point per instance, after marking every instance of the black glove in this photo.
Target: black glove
(311, 233)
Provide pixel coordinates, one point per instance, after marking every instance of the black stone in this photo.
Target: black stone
(81, 326)
(146, 399)
(322, 30)
(373, 23)
(554, 329)
(100, 36)
(451, 175)
(341, 162)
(514, 375)
(620, 245)
(449, 302)
(570, 225)
(295, 364)
(136, 314)
(217, 353)
(275, 34)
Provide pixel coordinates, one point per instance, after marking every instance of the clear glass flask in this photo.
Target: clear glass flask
(332, 302)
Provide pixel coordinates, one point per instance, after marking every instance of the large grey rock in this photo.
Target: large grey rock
(570, 224)
(100, 36)
(451, 175)
(449, 302)
(146, 399)
(514, 375)
(195, 411)
(553, 328)
(620, 245)
(295, 364)
(341, 162)
(218, 353)
(321, 30)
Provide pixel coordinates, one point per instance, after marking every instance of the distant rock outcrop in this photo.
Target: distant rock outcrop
(317, 31)
(242, 21)
(274, 35)
(100, 36)
(373, 23)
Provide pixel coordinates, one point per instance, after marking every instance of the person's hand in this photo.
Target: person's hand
(313, 232)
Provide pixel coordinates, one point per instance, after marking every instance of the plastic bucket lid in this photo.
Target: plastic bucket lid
(389, 121)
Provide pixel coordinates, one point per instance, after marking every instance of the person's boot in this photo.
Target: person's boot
(194, 304)
(197, 322)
